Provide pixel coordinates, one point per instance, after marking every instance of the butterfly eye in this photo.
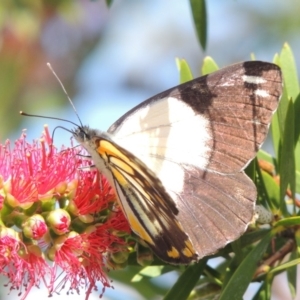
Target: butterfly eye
(82, 134)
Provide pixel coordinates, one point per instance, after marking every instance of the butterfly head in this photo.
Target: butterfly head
(87, 136)
(83, 134)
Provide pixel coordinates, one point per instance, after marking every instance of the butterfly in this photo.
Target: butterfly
(176, 160)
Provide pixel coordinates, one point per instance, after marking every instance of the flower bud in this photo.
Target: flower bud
(59, 221)
(35, 227)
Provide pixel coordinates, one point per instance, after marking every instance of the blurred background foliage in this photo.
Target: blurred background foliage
(110, 59)
(34, 33)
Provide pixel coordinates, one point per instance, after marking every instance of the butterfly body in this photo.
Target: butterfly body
(176, 160)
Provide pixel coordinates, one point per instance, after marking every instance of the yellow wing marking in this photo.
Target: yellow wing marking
(138, 228)
(173, 253)
(148, 207)
(189, 250)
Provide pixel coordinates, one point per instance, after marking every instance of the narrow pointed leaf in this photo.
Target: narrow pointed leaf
(276, 134)
(291, 83)
(186, 282)
(297, 120)
(289, 70)
(271, 188)
(287, 158)
(200, 20)
(209, 66)
(292, 275)
(242, 277)
(185, 72)
(291, 221)
(285, 266)
(108, 2)
(275, 128)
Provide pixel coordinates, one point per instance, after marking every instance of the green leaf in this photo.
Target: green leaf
(287, 158)
(298, 182)
(289, 70)
(297, 238)
(292, 275)
(238, 283)
(200, 19)
(109, 2)
(271, 189)
(285, 266)
(237, 249)
(278, 122)
(253, 236)
(290, 221)
(151, 272)
(297, 120)
(276, 59)
(291, 86)
(185, 72)
(275, 132)
(297, 141)
(186, 282)
(283, 138)
(281, 115)
(251, 169)
(209, 66)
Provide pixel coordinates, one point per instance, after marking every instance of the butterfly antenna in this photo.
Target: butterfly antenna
(61, 84)
(47, 117)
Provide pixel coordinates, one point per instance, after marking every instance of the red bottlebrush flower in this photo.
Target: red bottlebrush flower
(23, 265)
(93, 203)
(52, 206)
